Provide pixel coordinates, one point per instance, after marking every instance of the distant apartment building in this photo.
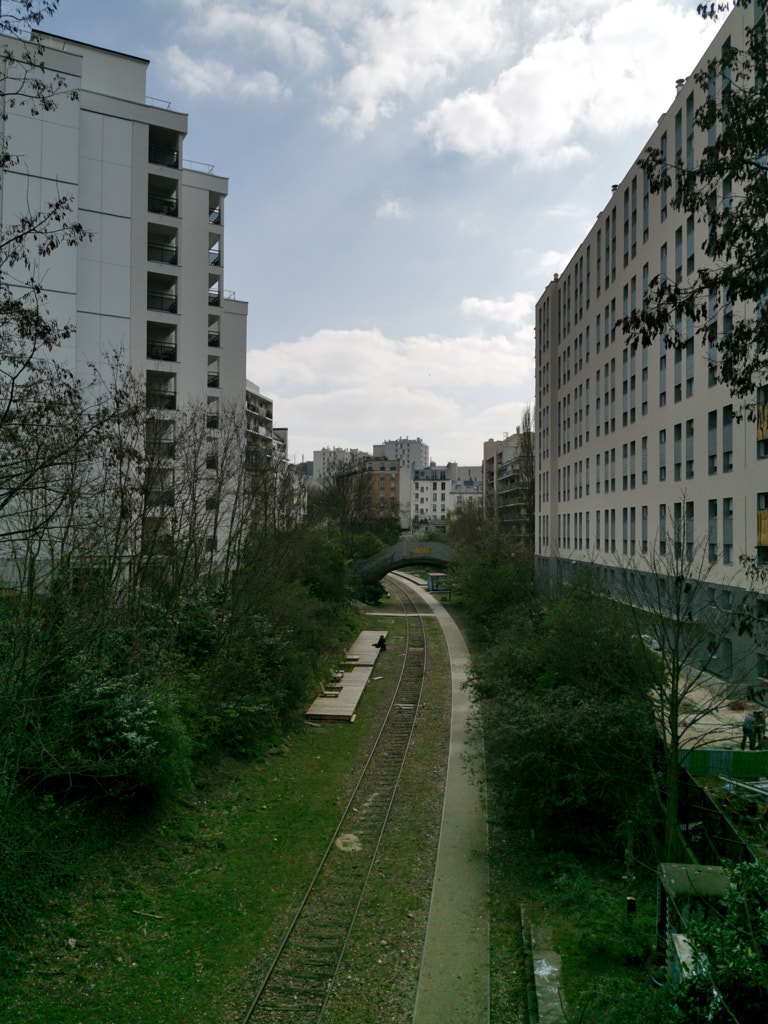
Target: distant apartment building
(412, 453)
(637, 449)
(509, 483)
(437, 491)
(326, 462)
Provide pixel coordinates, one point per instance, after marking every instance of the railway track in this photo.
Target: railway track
(303, 973)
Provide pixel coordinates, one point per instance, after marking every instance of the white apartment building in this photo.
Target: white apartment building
(412, 453)
(638, 447)
(149, 284)
(327, 461)
(437, 491)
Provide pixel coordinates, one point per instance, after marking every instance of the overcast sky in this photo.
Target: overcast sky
(405, 178)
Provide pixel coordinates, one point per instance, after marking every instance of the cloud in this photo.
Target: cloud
(393, 209)
(517, 311)
(595, 78)
(287, 37)
(212, 78)
(413, 47)
(362, 386)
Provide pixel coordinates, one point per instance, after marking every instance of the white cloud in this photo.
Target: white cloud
(392, 209)
(212, 78)
(413, 47)
(237, 20)
(599, 77)
(517, 311)
(357, 387)
(553, 262)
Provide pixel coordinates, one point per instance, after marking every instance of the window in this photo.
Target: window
(762, 528)
(644, 460)
(662, 455)
(712, 530)
(662, 530)
(728, 531)
(689, 449)
(712, 442)
(644, 529)
(727, 438)
(677, 452)
(762, 423)
(662, 379)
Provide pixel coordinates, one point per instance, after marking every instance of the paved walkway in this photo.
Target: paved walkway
(454, 983)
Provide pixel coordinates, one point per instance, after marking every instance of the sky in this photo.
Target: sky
(405, 177)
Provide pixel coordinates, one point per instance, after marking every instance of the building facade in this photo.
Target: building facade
(642, 450)
(437, 491)
(412, 453)
(145, 291)
(148, 284)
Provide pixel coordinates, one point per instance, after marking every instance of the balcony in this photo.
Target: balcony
(165, 400)
(212, 421)
(214, 215)
(214, 297)
(214, 258)
(166, 205)
(161, 449)
(164, 350)
(158, 252)
(160, 497)
(163, 157)
(214, 339)
(213, 380)
(162, 301)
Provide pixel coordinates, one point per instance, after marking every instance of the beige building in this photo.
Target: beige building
(638, 449)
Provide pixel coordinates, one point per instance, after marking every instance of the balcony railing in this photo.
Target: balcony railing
(163, 301)
(165, 350)
(214, 339)
(160, 497)
(161, 400)
(157, 253)
(164, 157)
(213, 380)
(212, 421)
(214, 215)
(166, 205)
(214, 297)
(161, 449)
(214, 258)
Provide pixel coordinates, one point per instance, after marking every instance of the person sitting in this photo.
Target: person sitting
(381, 643)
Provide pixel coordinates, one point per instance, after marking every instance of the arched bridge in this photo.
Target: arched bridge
(405, 552)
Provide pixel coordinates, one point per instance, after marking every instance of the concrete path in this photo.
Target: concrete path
(454, 983)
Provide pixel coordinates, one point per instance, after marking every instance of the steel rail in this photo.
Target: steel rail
(302, 995)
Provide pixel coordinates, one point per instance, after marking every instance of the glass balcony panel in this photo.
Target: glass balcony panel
(163, 301)
(168, 206)
(213, 380)
(158, 253)
(163, 157)
(165, 350)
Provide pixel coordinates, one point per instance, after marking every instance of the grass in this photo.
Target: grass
(178, 920)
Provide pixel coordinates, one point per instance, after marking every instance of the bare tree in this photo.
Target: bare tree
(685, 621)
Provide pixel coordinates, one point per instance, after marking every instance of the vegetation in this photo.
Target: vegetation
(724, 300)
(729, 980)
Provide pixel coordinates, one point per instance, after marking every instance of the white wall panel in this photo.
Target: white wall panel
(116, 189)
(115, 237)
(88, 286)
(60, 152)
(115, 290)
(118, 139)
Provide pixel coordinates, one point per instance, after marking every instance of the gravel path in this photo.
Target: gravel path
(454, 983)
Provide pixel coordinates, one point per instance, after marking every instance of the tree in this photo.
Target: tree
(569, 730)
(685, 624)
(727, 192)
(729, 981)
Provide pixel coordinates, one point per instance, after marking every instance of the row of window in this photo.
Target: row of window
(678, 537)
